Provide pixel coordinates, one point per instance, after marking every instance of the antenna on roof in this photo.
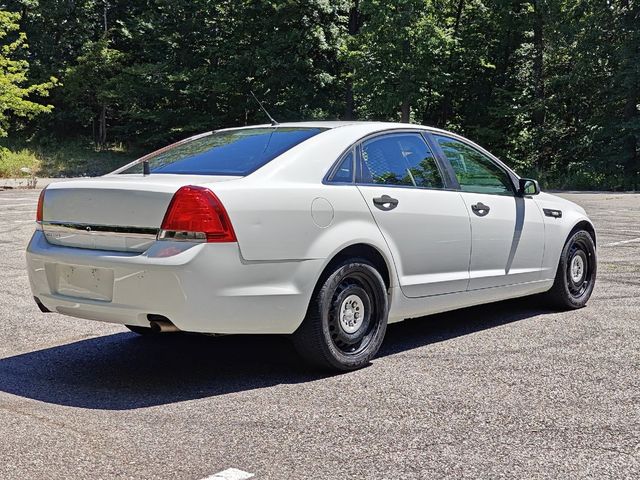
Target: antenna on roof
(273, 122)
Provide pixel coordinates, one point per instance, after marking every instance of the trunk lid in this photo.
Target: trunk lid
(114, 212)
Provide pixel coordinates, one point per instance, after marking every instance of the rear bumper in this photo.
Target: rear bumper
(205, 288)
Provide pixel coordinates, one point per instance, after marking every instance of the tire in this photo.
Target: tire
(576, 274)
(329, 340)
(140, 330)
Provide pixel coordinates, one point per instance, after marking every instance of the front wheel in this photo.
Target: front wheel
(576, 275)
(347, 318)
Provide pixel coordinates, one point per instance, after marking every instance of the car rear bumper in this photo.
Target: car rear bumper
(204, 287)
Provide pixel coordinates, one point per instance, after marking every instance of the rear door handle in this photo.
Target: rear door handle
(385, 202)
(480, 209)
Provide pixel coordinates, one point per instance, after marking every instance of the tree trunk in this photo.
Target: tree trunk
(538, 110)
(538, 64)
(630, 145)
(446, 110)
(405, 111)
(354, 28)
(102, 127)
(632, 97)
(349, 103)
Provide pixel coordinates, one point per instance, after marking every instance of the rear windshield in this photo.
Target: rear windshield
(234, 152)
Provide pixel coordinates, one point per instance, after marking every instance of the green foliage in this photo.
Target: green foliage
(550, 86)
(396, 56)
(50, 157)
(79, 157)
(14, 93)
(93, 81)
(12, 163)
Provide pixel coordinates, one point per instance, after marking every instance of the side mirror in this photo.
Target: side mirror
(528, 186)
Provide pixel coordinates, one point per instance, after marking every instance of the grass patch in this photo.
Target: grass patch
(12, 162)
(76, 158)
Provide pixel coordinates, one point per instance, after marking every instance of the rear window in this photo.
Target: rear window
(235, 152)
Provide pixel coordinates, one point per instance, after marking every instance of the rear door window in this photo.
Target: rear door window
(400, 159)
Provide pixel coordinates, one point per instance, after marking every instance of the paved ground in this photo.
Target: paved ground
(25, 182)
(508, 390)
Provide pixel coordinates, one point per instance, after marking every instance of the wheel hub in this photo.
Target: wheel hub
(577, 269)
(351, 314)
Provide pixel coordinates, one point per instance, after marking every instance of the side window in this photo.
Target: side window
(400, 159)
(344, 172)
(475, 171)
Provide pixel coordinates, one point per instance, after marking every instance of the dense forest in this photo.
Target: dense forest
(550, 86)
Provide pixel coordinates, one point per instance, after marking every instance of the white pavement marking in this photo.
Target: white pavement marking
(622, 230)
(230, 474)
(622, 242)
(13, 199)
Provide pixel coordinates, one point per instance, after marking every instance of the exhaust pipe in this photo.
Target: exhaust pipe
(160, 324)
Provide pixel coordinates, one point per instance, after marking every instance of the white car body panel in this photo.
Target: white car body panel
(289, 225)
(557, 229)
(205, 288)
(404, 307)
(432, 256)
(508, 243)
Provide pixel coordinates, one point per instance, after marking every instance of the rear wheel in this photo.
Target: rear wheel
(347, 318)
(576, 273)
(140, 330)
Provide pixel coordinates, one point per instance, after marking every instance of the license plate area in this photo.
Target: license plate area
(80, 281)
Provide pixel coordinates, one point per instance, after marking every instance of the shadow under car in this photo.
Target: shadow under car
(125, 371)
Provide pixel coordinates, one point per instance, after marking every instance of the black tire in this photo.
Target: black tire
(140, 330)
(355, 288)
(576, 275)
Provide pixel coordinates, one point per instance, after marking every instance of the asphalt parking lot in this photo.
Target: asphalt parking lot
(510, 390)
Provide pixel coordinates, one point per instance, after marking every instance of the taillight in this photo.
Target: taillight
(196, 214)
(40, 209)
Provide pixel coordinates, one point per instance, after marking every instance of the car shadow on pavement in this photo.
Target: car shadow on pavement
(124, 371)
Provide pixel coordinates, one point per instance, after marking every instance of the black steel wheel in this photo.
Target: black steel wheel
(347, 318)
(576, 275)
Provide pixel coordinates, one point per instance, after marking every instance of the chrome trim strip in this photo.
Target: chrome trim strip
(91, 229)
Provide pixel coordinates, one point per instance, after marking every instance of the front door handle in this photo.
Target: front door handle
(385, 202)
(480, 209)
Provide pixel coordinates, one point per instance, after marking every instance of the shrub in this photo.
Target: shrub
(11, 162)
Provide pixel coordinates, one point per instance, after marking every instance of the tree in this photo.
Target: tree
(92, 85)
(14, 91)
(396, 56)
(551, 86)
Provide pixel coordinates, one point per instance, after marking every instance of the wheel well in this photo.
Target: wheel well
(360, 250)
(584, 225)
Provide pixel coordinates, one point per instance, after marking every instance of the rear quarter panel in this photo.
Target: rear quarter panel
(284, 211)
(299, 221)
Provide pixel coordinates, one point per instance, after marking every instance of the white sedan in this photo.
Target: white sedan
(326, 231)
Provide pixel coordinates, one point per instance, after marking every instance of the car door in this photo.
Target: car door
(507, 230)
(425, 224)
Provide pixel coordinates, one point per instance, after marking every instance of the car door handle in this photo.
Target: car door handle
(480, 209)
(385, 202)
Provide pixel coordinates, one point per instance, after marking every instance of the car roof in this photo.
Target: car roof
(374, 126)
